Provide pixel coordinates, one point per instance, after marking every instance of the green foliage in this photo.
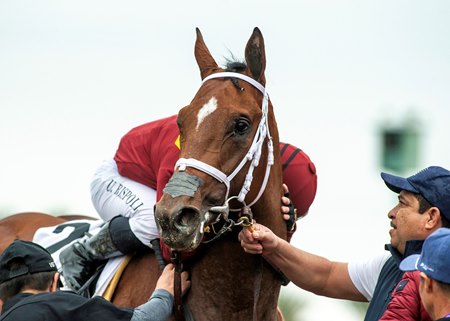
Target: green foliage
(291, 304)
(294, 302)
(359, 307)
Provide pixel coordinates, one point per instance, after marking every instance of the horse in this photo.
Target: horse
(229, 146)
(226, 283)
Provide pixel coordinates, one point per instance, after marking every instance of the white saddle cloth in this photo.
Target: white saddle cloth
(56, 238)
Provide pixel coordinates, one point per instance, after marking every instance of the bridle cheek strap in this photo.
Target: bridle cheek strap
(253, 155)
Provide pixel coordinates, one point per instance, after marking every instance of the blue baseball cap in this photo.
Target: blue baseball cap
(433, 183)
(434, 260)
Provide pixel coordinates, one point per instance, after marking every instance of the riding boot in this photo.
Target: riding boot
(80, 260)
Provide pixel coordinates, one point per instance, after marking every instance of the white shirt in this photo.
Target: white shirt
(364, 273)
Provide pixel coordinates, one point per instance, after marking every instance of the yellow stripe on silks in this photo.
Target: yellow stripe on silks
(177, 142)
(113, 283)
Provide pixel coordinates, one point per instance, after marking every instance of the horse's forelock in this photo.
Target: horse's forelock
(235, 66)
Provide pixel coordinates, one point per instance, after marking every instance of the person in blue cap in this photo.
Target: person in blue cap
(29, 282)
(423, 207)
(433, 264)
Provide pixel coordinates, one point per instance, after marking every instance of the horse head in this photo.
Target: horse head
(227, 139)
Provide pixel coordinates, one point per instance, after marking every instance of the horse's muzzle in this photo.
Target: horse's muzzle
(181, 228)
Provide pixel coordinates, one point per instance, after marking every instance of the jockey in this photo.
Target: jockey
(125, 189)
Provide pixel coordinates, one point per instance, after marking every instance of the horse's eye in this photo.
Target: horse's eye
(241, 126)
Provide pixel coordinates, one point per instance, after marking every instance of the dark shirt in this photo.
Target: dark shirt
(389, 277)
(61, 306)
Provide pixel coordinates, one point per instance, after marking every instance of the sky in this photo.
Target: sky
(75, 76)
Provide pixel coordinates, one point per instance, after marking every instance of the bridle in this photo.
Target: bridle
(253, 155)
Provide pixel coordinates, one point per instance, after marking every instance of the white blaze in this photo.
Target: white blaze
(206, 110)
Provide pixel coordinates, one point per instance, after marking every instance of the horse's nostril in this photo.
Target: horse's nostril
(182, 221)
(186, 218)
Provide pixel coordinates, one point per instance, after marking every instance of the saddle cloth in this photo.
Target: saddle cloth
(57, 238)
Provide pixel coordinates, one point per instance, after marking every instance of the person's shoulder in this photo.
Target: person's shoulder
(67, 295)
(59, 296)
(413, 276)
(159, 124)
(22, 307)
(378, 260)
(52, 296)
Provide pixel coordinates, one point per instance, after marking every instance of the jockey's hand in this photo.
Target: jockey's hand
(166, 280)
(259, 241)
(287, 208)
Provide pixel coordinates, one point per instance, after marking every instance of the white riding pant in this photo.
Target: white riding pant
(113, 195)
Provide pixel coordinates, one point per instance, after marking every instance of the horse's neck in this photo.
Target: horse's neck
(231, 284)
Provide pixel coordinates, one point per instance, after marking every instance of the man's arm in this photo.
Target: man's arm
(308, 271)
(159, 306)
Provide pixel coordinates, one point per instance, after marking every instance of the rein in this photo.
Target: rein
(253, 155)
(178, 302)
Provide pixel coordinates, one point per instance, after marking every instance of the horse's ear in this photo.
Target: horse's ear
(255, 56)
(205, 61)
